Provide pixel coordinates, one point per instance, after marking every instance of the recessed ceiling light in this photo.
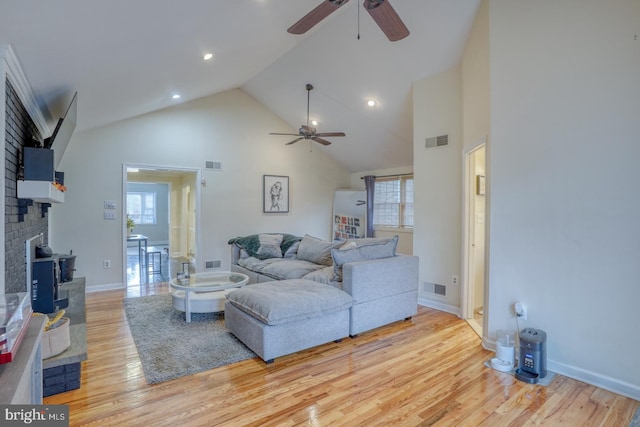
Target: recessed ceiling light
(207, 56)
(372, 103)
(176, 96)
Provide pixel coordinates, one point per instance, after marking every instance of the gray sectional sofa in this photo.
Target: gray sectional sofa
(383, 285)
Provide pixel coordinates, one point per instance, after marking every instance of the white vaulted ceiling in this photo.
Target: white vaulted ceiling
(126, 58)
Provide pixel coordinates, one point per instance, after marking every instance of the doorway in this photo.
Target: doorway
(475, 193)
(164, 204)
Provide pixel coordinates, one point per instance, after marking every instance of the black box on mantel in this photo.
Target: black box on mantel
(38, 164)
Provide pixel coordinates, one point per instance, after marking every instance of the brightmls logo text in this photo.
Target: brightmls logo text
(35, 415)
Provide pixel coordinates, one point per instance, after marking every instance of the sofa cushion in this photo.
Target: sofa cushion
(269, 246)
(364, 252)
(289, 269)
(256, 264)
(316, 250)
(286, 301)
(279, 268)
(324, 275)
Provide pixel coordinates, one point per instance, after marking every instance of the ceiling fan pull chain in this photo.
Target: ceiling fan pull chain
(308, 95)
(358, 8)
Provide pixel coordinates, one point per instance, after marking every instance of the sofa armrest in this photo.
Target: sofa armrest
(235, 253)
(379, 278)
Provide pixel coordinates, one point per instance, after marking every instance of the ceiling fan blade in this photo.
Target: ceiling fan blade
(320, 140)
(294, 141)
(387, 19)
(316, 15)
(331, 134)
(289, 134)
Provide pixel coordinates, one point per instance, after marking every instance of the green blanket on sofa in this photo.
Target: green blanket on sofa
(251, 243)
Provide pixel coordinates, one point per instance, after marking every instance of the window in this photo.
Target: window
(393, 202)
(141, 206)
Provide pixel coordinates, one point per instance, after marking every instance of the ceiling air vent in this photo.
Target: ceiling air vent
(216, 166)
(437, 141)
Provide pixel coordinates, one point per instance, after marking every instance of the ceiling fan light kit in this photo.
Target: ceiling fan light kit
(380, 10)
(308, 132)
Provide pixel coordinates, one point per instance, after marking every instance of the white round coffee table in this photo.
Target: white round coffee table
(204, 292)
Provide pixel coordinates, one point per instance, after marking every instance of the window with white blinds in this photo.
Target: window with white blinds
(393, 202)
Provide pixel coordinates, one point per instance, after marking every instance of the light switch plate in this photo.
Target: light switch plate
(109, 204)
(109, 214)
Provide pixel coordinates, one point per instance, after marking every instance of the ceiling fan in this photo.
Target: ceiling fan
(380, 10)
(308, 132)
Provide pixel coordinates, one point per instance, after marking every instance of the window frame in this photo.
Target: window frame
(401, 227)
(143, 197)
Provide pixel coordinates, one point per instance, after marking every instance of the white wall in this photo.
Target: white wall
(476, 111)
(565, 230)
(437, 181)
(231, 128)
(476, 115)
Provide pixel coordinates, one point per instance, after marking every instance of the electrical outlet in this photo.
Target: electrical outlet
(109, 204)
(520, 310)
(106, 263)
(454, 280)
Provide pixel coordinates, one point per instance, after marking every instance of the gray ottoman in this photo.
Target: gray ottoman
(281, 317)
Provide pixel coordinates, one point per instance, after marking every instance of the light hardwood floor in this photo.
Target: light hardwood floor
(422, 372)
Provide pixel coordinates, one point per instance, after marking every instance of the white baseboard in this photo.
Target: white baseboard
(439, 306)
(105, 287)
(612, 384)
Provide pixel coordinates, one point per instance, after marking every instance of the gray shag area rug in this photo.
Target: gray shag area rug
(170, 348)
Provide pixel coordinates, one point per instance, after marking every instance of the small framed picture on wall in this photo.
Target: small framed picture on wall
(275, 194)
(480, 186)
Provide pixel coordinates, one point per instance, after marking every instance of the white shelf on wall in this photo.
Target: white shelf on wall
(39, 191)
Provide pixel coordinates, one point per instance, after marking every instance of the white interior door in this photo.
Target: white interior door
(475, 175)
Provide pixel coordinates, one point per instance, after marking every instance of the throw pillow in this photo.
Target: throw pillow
(348, 245)
(269, 246)
(292, 251)
(363, 253)
(316, 250)
(365, 241)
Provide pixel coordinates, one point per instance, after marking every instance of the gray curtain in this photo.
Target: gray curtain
(370, 185)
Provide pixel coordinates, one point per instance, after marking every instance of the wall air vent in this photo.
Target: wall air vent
(435, 288)
(437, 141)
(439, 289)
(216, 263)
(215, 166)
